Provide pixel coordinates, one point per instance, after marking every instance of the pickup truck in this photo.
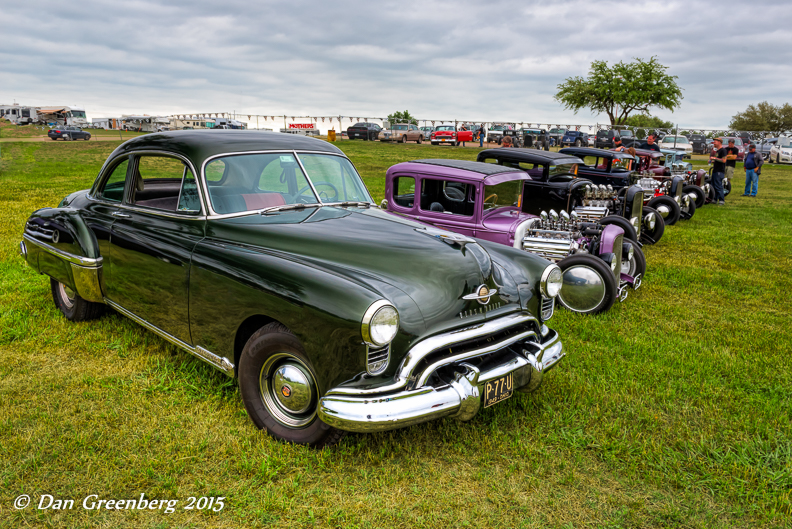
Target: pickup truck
(448, 135)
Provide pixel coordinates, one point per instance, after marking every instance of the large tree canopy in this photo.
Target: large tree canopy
(764, 116)
(622, 89)
(402, 117)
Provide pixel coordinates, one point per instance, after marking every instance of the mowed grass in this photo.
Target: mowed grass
(672, 410)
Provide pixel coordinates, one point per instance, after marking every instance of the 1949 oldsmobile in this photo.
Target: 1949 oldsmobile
(260, 254)
(489, 201)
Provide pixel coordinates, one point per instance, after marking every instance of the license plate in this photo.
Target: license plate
(357, 135)
(498, 390)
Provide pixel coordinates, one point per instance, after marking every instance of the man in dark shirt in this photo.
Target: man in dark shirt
(753, 164)
(731, 159)
(650, 144)
(617, 144)
(718, 161)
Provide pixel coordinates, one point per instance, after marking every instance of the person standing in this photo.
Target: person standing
(718, 161)
(481, 135)
(731, 160)
(753, 166)
(617, 144)
(650, 144)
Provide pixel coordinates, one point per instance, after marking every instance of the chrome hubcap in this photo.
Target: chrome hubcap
(664, 211)
(583, 289)
(288, 390)
(66, 294)
(649, 221)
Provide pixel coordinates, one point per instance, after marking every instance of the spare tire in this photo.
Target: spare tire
(589, 285)
(667, 207)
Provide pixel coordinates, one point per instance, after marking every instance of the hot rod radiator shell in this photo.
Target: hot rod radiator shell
(551, 249)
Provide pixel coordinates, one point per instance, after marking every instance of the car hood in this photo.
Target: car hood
(371, 247)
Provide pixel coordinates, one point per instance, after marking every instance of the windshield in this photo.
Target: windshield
(445, 127)
(503, 194)
(621, 164)
(679, 139)
(625, 133)
(563, 169)
(737, 141)
(334, 178)
(78, 113)
(498, 127)
(784, 142)
(400, 127)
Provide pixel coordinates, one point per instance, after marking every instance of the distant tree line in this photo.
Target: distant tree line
(776, 119)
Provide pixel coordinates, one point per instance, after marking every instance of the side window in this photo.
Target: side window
(593, 162)
(113, 189)
(189, 200)
(404, 191)
(215, 170)
(446, 196)
(157, 182)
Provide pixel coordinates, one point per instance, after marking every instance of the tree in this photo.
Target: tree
(764, 116)
(647, 122)
(622, 89)
(402, 117)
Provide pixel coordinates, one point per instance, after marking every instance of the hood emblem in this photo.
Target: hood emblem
(482, 294)
(446, 236)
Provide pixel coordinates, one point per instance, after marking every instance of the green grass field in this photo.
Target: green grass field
(672, 410)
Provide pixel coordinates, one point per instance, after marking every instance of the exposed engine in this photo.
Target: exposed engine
(598, 202)
(555, 236)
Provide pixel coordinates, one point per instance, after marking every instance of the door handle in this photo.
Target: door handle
(121, 215)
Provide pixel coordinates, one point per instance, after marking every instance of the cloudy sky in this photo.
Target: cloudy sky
(466, 60)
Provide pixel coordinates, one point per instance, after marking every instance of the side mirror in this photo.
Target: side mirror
(384, 203)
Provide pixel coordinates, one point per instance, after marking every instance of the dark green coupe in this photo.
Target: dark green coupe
(262, 254)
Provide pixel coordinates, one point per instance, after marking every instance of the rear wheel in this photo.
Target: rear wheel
(616, 220)
(653, 227)
(72, 305)
(701, 198)
(727, 188)
(667, 207)
(589, 285)
(420, 140)
(404, 138)
(279, 390)
(578, 143)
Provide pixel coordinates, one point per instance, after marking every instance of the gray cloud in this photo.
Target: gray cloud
(441, 60)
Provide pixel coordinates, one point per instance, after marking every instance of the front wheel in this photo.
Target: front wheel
(404, 138)
(667, 207)
(578, 143)
(72, 305)
(279, 389)
(687, 212)
(624, 224)
(634, 266)
(420, 140)
(701, 198)
(653, 226)
(589, 285)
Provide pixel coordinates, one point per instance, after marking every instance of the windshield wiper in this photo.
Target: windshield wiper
(286, 207)
(350, 204)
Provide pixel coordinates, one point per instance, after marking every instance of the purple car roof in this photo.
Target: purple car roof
(488, 173)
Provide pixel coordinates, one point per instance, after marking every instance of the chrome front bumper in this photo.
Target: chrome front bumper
(459, 397)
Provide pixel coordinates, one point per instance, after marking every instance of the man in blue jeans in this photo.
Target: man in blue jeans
(718, 161)
(753, 166)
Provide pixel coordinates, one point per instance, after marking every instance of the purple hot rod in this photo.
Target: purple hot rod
(484, 200)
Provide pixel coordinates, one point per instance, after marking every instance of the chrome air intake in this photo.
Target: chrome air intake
(600, 196)
(591, 213)
(549, 248)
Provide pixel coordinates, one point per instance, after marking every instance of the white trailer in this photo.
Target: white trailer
(18, 114)
(62, 115)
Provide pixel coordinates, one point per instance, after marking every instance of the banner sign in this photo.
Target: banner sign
(302, 126)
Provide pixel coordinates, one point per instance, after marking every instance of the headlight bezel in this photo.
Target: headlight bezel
(368, 322)
(544, 287)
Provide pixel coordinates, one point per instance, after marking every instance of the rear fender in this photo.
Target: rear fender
(58, 243)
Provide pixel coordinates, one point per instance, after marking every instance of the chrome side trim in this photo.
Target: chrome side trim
(88, 282)
(439, 341)
(66, 256)
(219, 362)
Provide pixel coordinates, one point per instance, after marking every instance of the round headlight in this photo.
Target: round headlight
(552, 280)
(380, 323)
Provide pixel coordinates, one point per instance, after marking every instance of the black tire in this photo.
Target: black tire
(652, 236)
(635, 267)
(701, 198)
(500, 140)
(670, 205)
(404, 138)
(420, 140)
(434, 143)
(87, 137)
(711, 195)
(778, 158)
(727, 188)
(53, 139)
(595, 266)
(617, 220)
(578, 143)
(686, 213)
(269, 349)
(72, 305)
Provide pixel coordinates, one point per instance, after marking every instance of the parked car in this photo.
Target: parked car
(448, 135)
(554, 135)
(663, 188)
(614, 171)
(68, 133)
(698, 142)
(495, 133)
(575, 137)
(244, 249)
(745, 136)
(781, 152)
(764, 147)
(427, 131)
(402, 132)
(676, 142)
(363, 131)
(604, 139)
(484, 200)
(696, 185)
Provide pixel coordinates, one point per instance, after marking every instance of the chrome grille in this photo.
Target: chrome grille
(377, 359)
(617, 249)
(548, 304)
(637, 211)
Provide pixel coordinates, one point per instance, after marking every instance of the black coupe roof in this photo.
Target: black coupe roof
(527, 155)
(591, 151)
(198, 145)
(475, 167)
